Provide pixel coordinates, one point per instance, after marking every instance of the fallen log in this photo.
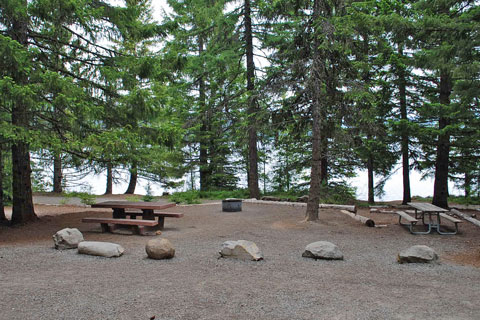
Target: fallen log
(301, 204)
(466, 217)
(338, 206)
(367, 221)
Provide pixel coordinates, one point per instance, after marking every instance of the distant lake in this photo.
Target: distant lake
(393, 187)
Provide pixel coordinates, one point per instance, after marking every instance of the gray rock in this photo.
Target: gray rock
(418, 254)
(160, 249)
(103, 249)
(67, 238)
(322, 250)
(241, 249)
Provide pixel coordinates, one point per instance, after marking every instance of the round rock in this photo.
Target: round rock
(322, 250)
(418, 254)
(159, 249)
(67, 238)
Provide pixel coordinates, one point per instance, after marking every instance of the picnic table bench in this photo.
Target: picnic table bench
(435, 215)
(138, 226)
(121, 209)
(133, 213)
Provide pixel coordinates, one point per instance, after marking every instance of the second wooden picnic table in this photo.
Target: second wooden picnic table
(434, 213)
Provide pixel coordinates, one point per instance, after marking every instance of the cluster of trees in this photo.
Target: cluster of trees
(217, 88)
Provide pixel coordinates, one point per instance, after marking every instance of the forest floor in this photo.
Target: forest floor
(39, 282)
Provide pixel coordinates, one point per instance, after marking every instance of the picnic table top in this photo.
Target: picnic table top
(426, 207)
(134, 205)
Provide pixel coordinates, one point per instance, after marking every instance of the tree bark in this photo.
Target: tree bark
(467, 187)
(317, 124)
(109, 188)
(23, 209)
(252, 110)
(133, 180)
(402, 88)
(371, 191)
(2, 207)
(440, 188)
(57, 173)
(204, 129)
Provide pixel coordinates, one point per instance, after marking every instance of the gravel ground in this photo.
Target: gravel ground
(39, 282)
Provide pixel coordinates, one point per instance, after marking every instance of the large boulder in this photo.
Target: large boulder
(67, 238)
(418, 254)
(159, 249)
(241, 249)
(322, 250)
(103, 249)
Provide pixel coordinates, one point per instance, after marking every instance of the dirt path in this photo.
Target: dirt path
(39, 282)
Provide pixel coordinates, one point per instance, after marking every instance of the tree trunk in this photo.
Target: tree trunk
(440, 188)
(133, 180)
(402, 88)
(204, 129)
(371, 191)
(2, 207)
(23, 210)
(57, 173)
(315, 173)
(324, 161)
(467, 187)
(315, 87)
(252, 110)
(109, 188)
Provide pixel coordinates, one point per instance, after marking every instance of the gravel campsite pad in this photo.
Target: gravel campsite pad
(39, 282)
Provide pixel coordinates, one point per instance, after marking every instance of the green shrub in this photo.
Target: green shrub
(189, 197)
(148, 197)
(133, 198)
(464, 200)
(194, 196)
(337, 193)
(85, 197)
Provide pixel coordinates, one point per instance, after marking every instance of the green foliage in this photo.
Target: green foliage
(85, 197)
(337, 193)
(192, 197)
(133, 198)
(188, 197)
(464, 200)
(148, 197)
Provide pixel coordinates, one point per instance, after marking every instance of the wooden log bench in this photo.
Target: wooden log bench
(411, 221)
(133, 213)
(138, 226)
(452, 220)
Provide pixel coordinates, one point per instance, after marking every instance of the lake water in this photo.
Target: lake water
(393, 187)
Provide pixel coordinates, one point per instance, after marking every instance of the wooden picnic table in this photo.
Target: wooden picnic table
(121, 209)
(147, 208)
(435, 214)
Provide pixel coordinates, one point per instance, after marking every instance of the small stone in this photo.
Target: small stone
(241, 249)
(159, 249)
(67, 238)
(158, 232)
(103, 249)
(418, 254)
(322, 250)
